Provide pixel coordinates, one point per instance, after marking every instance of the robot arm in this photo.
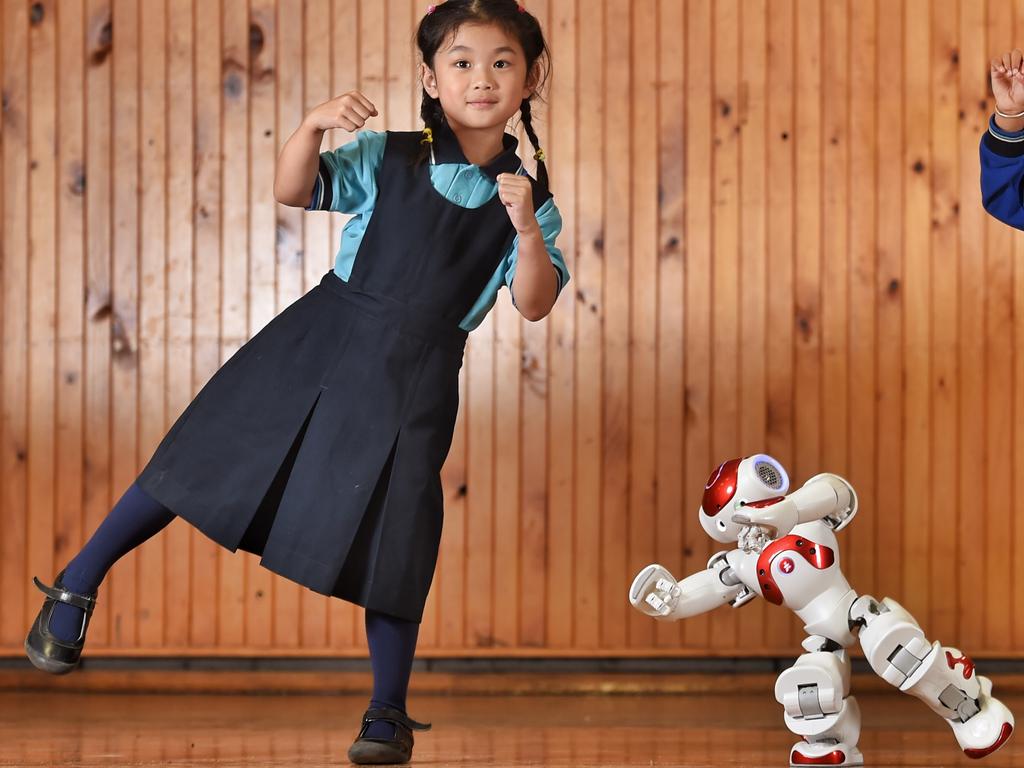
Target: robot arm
(824, 497)
(656, 593)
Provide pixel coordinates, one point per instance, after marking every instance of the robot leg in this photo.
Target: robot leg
(815, 694)
(943, 678)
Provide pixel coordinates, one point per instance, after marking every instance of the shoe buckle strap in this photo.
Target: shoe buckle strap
(394, 716)
(59, 594)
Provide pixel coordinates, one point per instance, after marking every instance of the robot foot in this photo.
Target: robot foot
(824, 753)
(989, 729)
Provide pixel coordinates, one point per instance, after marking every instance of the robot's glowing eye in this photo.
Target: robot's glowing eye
(768, 474)
(721, 487)
(721, 525)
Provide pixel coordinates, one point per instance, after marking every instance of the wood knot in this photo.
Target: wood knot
(103, 44)
(233, 85)
(256, 40)
(77, 184)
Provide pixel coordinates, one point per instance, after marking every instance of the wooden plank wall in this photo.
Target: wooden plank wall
(776, 239)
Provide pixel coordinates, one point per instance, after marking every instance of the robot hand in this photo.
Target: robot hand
(655, 592)
(778, 518)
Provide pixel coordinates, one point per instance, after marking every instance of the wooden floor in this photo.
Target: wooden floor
(89, 729)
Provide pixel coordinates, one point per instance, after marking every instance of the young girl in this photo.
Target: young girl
(1002, 146)
(319, 444)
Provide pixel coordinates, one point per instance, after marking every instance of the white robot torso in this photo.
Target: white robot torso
(801, 571)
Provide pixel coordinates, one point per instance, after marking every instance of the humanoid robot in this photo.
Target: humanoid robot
(787, 553)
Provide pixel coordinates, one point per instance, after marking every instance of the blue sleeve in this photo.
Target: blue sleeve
(347, 179)
(1002, 172)
(550, 221)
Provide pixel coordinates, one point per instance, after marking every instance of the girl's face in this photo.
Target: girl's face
(480, 77)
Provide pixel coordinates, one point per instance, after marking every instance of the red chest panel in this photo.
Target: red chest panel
(819, 556)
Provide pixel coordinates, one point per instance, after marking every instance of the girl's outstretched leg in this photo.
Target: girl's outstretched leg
(55, 640)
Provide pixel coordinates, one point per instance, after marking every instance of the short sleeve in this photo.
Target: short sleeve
(550, 221)
(346, 181)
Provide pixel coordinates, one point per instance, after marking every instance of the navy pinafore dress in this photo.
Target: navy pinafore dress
(319, 444)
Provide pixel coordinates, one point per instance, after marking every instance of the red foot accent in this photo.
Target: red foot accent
(1003, 736)
(819, 556)
(968, 664)
(832, 758)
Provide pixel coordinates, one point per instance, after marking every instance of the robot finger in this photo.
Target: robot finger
(660, 606)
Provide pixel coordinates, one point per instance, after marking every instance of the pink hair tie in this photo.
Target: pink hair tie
(522, 8)
(431, 9)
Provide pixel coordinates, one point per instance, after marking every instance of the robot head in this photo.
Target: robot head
(735, 483)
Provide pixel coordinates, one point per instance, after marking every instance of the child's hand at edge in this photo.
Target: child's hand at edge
(1008, 88)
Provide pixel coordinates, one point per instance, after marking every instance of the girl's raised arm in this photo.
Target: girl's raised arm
(299, 160)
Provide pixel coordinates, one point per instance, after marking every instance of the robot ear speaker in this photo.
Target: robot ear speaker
(769, 474)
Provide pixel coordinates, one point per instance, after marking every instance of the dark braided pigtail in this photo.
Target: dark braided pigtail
(433, 119)
(527, 116)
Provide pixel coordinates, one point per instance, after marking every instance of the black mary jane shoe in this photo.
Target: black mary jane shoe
(50, 653)
(370, 751)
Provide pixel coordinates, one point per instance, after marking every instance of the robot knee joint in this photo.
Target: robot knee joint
(815, 686)
(893, 643)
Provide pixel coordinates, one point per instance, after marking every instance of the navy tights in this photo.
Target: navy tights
(137, 517)
(133, 519)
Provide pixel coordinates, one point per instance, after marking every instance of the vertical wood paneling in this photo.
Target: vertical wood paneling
(971, 317)
(891, 289)
(753, 260)
(98, 316)
(809, 242)
(587, 285)
(534, 511)
(944, 310)
(643, 216)
(71, 224)
(726, 277)
(14, 415)
(125, 270)
(670, 529)
(780, 204)
(918, 496)
(1016, 574)
(696, 300)
(153, 309)
(999, 265)
(861, 370)
(563, 149)
(772, 222)
(615, 481)
(835, 240)
(42, 286)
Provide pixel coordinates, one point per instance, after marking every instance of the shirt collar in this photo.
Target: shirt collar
(446, 149)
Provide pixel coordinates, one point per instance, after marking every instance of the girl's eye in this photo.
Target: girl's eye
(462, 64)
(501, 64)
